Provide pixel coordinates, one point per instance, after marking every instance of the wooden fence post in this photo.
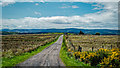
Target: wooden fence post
(111, 46)
(67, 37)
(118, 43)
(118, 46)
(102, 46)
(75, 56)
(71, 44)
(92, 48)
(80, 49)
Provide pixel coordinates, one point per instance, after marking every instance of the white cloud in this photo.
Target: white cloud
(24, 0)
(97, 6)
(74, 6)
(88, 21)
(104, 19)
(13, 1)
(93, 0)
(2, 2)
(6, 2)
(67, 6)
(60, 0)
(36, 4)
(37, 13)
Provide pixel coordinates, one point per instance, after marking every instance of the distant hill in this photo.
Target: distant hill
(8, 33)
(67, 30)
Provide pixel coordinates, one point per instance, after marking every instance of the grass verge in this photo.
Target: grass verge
(69, 61)
(10, 62)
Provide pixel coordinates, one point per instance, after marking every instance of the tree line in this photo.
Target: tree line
(81, 33)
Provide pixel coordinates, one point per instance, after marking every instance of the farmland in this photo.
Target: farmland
(14, 45)
(87, 42)
(77, 50)
(90, 50)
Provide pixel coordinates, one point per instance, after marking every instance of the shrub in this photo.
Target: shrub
(97, 33)
(81, 33)
(102, 57)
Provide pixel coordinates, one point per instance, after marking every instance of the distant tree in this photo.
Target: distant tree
(66, 33)
(97, 33)
(81, 33)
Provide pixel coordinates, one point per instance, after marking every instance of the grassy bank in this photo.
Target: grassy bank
(69, 61)
(18, 59)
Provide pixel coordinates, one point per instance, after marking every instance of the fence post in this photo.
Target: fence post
(102, 46)
(80, 49)
(111, 46)
(92, 48)
(67, 37)
(71, 44)
(118, 44)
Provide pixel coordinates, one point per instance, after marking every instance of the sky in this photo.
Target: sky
(59, 15)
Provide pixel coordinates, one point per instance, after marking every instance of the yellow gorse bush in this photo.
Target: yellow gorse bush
(105, 61)
(104, 57)
(113, 59)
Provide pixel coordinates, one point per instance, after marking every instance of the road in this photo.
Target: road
(48, 57)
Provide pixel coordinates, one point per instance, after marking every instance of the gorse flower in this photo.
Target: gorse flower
(69, 50)
(104, 57)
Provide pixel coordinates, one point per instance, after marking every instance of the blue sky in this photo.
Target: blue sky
(36, 9)
(60, 15)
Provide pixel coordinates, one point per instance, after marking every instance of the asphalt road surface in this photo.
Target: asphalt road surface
(48, 57)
